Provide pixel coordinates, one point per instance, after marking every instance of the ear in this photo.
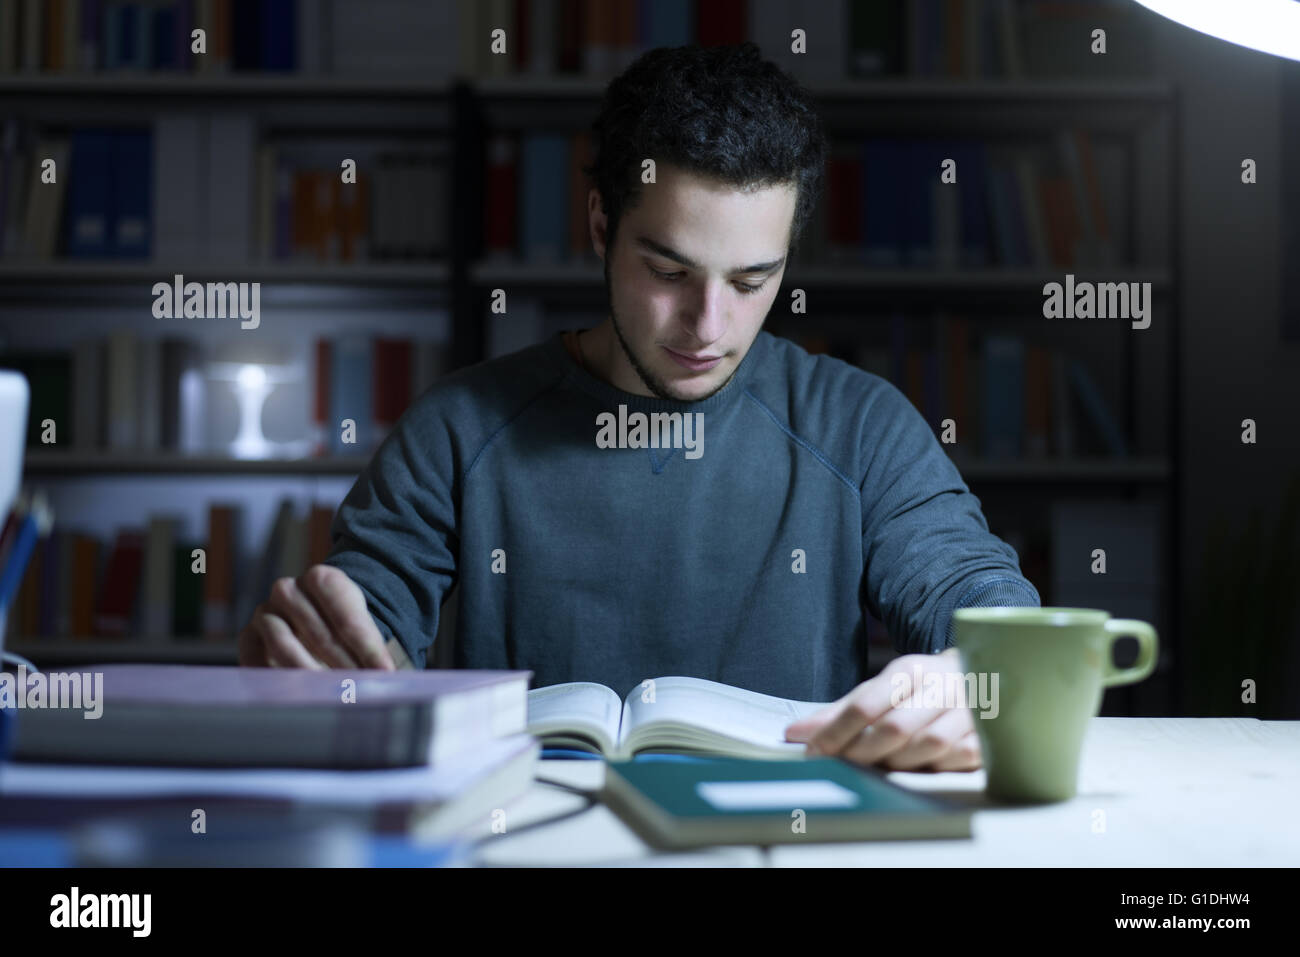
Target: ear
(597, 222)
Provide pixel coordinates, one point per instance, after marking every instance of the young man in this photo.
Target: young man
(784, 492)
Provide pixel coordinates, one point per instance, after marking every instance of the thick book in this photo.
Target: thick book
(270, 717)
(666, 715)
(737, 801)
(456, 798)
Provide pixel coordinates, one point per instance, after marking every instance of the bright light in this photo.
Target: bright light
(252, 389)
(1270, 26)
(251, 377)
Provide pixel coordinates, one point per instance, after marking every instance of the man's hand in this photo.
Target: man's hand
(319, 620)
(865, 727)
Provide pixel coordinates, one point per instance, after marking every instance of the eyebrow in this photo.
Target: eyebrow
(669, 253)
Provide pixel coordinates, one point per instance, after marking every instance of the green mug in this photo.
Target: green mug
(1047, 668)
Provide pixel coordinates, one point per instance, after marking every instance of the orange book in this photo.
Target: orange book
(954, 35)
(598, 38)
(319, 542)
(300, 209)
(29, 596)
(54, 14)
(1091, 184)
(310, 214)
(219, 36)
(85, 565)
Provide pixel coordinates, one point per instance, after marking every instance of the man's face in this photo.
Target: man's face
(693, 272)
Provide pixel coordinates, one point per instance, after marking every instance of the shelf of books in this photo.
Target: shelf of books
(1064, 171)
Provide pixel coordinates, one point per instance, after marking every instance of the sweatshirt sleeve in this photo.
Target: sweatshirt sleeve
(927, 548)
(395, 531)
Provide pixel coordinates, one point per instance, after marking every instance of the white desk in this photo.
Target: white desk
(1153, 792)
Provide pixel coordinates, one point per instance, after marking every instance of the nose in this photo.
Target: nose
(708, 319)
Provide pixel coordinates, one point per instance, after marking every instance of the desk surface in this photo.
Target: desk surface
(1153, 792)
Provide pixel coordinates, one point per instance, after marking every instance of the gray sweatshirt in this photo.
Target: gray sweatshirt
(744, 549)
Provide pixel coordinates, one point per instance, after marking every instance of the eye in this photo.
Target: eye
(744, 288)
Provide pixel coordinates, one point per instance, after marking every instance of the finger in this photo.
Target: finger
(290, 603)
(853, 713)
(282, 645)
(931, 741)
(252, 650)
(964, 756)
(803, 729)
(863, 706)
(273, 662)
(342, 605)
(888, 735)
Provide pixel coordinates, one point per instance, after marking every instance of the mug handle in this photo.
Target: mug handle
(1146, 659)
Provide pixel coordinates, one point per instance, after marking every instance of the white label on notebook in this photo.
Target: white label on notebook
(773, 795)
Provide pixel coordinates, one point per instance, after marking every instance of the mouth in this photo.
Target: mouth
(694, 363)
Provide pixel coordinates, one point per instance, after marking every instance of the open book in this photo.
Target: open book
(669, 715)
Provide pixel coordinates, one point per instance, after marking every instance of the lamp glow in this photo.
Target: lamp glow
(252, 382)
(1270, 26)
(252, 390)
(251, 377)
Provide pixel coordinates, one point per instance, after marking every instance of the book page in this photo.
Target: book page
(580, 714)
(695, 712)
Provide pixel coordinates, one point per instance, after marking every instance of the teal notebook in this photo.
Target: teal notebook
(753, 801)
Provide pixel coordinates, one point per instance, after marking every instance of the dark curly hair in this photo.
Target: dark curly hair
(722, 112)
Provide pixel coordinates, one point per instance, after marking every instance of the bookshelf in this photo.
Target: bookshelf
(859, 281)
(461, 105)
(359, 274)
(76, 463)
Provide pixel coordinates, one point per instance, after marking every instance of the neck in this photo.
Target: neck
(603, 357)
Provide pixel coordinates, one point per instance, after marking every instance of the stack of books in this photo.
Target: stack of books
(428, 754)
